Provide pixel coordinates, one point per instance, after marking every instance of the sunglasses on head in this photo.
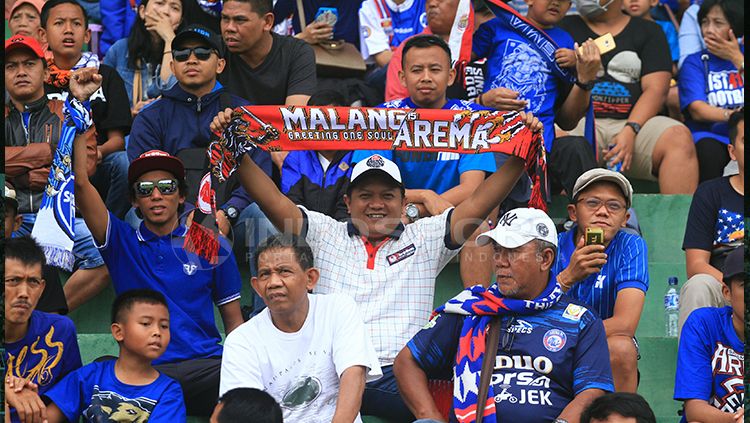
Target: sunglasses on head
(165, 186)
(183, 54)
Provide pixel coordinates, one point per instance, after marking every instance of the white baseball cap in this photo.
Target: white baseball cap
(10, 194)
(376, 162)
(519, 226)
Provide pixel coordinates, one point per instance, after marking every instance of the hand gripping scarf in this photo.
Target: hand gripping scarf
(482, 304)
(55, 221)
(277, 128)
(545, 46)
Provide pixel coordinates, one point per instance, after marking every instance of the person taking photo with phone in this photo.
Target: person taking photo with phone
(612, 276)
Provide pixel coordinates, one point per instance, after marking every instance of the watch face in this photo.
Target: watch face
(412, 211)
(231, 212)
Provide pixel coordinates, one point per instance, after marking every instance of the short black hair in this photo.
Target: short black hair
(302, 250)
(24, 249)
(734, 120)
(261, 7)
(625, 404)
(424, 41)
(327, 97)
(125, 301)
(734, 11)
(249, 405)
(54, 3)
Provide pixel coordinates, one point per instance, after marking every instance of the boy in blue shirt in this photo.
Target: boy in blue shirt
(129, 388)
(710, 359)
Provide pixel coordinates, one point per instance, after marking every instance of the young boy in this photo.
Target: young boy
(128, 388)
(710, 360)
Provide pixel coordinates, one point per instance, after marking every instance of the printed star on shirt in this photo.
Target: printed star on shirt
(729, 218)
(468, 383)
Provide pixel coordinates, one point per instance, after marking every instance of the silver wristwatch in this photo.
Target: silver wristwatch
(412, 212)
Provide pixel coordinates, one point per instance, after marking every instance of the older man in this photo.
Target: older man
(548, 361)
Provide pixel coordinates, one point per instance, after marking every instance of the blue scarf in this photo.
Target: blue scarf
(482, 304)
(546, 47)
(55, 222)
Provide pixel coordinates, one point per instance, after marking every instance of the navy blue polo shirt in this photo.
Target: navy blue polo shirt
(139, 259)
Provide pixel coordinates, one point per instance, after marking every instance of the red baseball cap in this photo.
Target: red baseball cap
(22, 41)
(155, 160)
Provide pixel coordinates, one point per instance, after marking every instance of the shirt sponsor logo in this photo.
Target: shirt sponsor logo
(600, 281)
(542, 364)
(521, 326)
(554, 340)
(366, 31)
(189, 268)
(573, 312)
(402, 254)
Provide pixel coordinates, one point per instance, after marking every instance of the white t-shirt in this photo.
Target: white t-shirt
(300, 370)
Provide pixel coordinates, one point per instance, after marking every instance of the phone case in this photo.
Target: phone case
(605, 43)
(327, 15)
(594, 236)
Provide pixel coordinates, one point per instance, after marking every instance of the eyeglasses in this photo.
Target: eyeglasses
(593, 203)
(183, 54)
(508, 335)
(165, 186)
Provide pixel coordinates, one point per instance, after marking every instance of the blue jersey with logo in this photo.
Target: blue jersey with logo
(95, 393)
(711, 360)
(48, 352)
(543, 361)
(438, 172)
(140, 259)
(713, 80)
(513, 63)
(626, 267)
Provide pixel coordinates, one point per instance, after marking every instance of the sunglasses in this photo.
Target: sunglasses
(165, 186)
(183, 54)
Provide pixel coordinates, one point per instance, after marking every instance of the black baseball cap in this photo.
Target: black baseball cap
(734, 265)
(199, 33)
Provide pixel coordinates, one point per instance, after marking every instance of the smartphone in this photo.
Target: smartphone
(594, 235)
(327, 15)
(605, 43)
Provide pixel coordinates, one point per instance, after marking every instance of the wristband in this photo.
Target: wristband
(78, 114)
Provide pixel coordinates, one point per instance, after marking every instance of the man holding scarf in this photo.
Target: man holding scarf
(551, 359)
(388, 268)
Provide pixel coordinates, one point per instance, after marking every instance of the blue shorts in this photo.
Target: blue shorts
(86, 254)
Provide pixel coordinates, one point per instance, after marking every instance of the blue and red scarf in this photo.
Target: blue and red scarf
(482, 304)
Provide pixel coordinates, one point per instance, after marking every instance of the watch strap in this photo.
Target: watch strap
(635, 126)
(588, 86)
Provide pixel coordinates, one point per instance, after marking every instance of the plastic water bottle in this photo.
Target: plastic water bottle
(610, 165)
(671, 308)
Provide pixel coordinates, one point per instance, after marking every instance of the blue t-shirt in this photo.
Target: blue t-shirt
(140, 259)
(94, 392)
(438, 172)
(552, 356)
(626, 267)
(672, 38)
(711, 360)
(48, 352)
(514, 64)
(713, 80)
(716, 220)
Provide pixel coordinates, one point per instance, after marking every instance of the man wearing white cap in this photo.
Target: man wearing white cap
(388, 268)
(551, 353)
(610, 276)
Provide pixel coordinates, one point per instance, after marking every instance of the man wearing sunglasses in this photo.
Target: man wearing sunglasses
(551, 358)
(152, 256)
(611, 277)
(178, 123)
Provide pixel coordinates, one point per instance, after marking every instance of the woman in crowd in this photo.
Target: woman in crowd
(711, 83)
(143, 59)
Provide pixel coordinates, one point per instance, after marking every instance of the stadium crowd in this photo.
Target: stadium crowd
(112, 114)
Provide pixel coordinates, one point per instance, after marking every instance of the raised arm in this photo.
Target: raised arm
(83, 83)
(469, 214)
(281, 211)
(351, 389)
